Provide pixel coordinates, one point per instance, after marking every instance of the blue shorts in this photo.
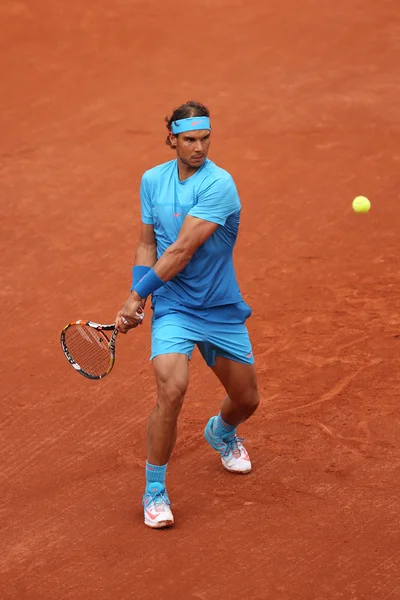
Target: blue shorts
(217, 331)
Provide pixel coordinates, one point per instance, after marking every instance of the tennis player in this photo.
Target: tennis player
(190, 219)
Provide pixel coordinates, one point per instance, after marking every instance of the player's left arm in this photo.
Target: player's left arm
(194, 232)
(215, 203)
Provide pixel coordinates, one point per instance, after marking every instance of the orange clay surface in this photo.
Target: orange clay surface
(306, 115)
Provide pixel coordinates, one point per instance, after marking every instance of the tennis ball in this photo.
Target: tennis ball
(361, 204)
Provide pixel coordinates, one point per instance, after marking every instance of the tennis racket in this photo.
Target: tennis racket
(89, 347)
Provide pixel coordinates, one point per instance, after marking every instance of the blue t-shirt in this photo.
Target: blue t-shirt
(210, 194)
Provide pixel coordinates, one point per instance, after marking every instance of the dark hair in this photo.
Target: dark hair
(185, 111)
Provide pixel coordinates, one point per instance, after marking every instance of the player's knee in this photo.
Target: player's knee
(255, 399)
(171, 394)
(249, 396)
(172, 382)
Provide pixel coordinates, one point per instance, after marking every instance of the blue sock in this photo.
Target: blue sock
(155, 473)
(222, 429)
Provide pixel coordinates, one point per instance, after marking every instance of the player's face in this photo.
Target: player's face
(192, 147)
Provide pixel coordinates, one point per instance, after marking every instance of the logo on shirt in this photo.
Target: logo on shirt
(177, 214)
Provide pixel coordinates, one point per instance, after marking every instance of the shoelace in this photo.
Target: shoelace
(233, 446)
(160, 500)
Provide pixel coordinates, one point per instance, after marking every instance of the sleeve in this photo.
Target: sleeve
(217, 201)
(145, 202)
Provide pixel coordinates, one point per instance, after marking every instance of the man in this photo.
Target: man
(190, 219)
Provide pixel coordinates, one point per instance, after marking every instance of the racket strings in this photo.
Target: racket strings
(89, 348)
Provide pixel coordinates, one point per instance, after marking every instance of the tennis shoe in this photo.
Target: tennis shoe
(157, 513)
(233, 454)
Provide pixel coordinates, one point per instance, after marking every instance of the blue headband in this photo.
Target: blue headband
(191, 124)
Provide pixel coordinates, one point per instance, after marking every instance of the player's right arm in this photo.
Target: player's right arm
(146, 250)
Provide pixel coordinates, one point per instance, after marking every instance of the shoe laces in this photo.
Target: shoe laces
(160, 500)
(233, 446)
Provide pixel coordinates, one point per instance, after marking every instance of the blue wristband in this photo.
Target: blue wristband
(138, 271)
(148, 284)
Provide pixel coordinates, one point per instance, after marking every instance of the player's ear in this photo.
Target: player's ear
(172, 139)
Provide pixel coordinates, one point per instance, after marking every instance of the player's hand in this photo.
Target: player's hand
(131, 314)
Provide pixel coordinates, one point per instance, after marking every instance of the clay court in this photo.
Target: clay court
(304, 98)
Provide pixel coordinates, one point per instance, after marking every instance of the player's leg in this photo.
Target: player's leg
(170, 353)
(228, 352)
(172, 377)
(240, 383)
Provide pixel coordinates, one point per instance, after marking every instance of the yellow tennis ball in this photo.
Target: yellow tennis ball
(361, 204)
